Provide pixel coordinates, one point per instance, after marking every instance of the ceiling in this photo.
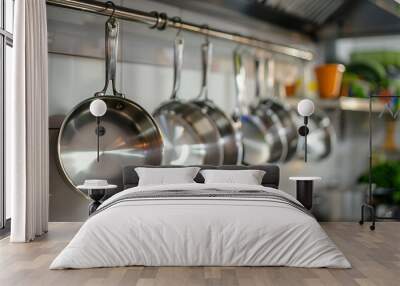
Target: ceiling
(319, 19)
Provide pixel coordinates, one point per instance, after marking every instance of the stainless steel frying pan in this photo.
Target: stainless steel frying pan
(128, 134)
(262, 142)
(190, 136)
(287, 126)
(230, 140)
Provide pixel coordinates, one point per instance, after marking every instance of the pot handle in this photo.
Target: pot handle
(264, 78)
(206, 55)
(111, 48)
(260, 76)
(240, 83)
(178, 62)
(270, 82)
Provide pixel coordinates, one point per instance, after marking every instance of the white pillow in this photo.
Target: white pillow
(164, 176)
(247, 177)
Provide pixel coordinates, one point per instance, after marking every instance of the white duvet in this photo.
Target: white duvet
(200, 231)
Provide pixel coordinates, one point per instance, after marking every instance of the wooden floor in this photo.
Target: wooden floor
(375, 257)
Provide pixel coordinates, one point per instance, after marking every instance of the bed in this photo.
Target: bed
(199, 224)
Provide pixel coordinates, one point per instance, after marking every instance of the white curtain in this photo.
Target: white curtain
(27, 171)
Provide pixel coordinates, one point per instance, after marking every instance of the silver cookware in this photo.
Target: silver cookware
(261, 139)
(272, 107)
(190, 136)
(230, 140)
(128, 135)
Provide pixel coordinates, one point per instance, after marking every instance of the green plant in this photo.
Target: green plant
(385, 175)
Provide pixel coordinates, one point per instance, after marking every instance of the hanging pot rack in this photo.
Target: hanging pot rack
(161, 21)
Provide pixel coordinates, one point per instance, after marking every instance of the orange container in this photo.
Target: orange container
(329, 78)
(290, 89)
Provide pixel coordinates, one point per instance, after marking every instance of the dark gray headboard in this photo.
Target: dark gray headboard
(270, 179)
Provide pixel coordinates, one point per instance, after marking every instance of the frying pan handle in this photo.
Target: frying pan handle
(270, 83)
(264, 77)
(206, 55)
(240, 82)
(260, 77)
(178, 62)
(111, 47)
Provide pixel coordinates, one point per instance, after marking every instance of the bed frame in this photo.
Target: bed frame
(270, 179)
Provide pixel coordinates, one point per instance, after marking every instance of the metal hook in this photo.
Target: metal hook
(240, 50)
(207, 28)
(108, 4)
(157, 15)
(164, 21)
(177, 20)
(161, 21)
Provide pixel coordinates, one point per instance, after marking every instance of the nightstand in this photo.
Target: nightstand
(304, 190)
(96, 193)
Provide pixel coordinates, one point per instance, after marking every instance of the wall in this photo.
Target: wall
(76, 71)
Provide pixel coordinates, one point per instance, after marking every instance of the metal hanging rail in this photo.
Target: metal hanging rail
(162, 21)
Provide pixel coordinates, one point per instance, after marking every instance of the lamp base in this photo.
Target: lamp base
(303, 130)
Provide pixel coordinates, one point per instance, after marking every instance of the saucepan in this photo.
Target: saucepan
(270, 106)
(262, 141)
(227, 128)
(190, 136)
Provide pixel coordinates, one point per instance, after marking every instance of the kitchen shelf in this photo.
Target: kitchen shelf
(342, 103)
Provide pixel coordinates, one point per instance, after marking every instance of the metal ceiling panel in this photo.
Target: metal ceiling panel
(317, 19)
(316, 11)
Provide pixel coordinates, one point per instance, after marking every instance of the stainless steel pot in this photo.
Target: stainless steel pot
(287, 126)
(190, 136)
(230, 140)
(128, 135)
(320, 138)
(262, 142)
